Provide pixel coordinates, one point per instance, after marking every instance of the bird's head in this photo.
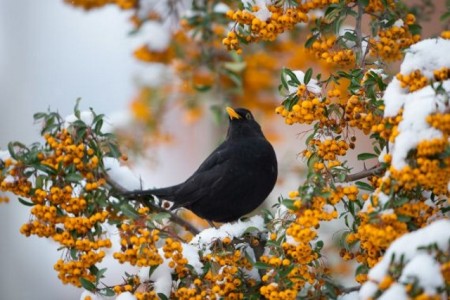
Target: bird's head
(242, 123)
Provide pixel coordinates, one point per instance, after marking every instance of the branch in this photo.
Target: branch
(359, 38)
(366, 173)
(174, 217)
(350, 289)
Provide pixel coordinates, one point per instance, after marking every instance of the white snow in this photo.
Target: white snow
(427, 55)
(221, 8)
(237, 229)
(253, 272)
(85, 116)
(9, 179)
(191, 254)
(4, 155)
(399, 23)
(121, 174)
(394, 98)
(126, 296)
(312, 85)
(328, 208)
(161, 276)
(426, 271)
(159, 34)
(86, 293)
(407, 247)
(263, 13)
(349, 296)
(395, 291)
(413, 128)
(367, 290)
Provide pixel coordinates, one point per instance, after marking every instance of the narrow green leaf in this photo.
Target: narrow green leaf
(76, 110)
(162, 296)
(292, 76)
(87, 284)
(364, 186)
(261, 265)
(366, 156)
(98, 126)
(308, 76)
(251, 229)
(40, 115)
(73, 177)
(25, 202)
(445, 16)
(364, 3)
(160, 217)
(283, 80)
(129, 211)
(108, 292)
(289, 203)
(403, 218)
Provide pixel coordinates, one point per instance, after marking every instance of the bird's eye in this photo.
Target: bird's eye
(248, 116)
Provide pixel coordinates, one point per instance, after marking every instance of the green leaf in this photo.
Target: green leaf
(291, 75)
(101, 274)
(76, 110)
(73, 253)
(129, 211)
(45, 168)
(319, 245)
(160, 217)
(364, 3)
(415, 28)
(251, 229)
(236, 67)
(202, 88)
(445, 16)
(261, 265)
(308, 76)
(151, 270)
(40, 115)
(289, 203)
(108, 292)
(97, 118)
(162, 296)
(98, 126)
(87, 284)
(400, 201)
(366, 156)
(403, 218)
(350, 36)
(25, 202)
(283, 80)
(364, 186)
(113, 150)
(362, 269)
(73, 177)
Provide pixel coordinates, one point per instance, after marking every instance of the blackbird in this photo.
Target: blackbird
(233, 180)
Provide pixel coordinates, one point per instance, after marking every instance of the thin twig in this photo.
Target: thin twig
(174, 217)
(359, 38)
(365, 173)
(350, 289)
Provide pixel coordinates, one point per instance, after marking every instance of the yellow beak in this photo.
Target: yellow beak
(232, 113)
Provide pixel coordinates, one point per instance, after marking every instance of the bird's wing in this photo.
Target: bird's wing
(208, 174)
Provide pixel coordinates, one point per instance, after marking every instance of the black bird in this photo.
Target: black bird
(233, 180)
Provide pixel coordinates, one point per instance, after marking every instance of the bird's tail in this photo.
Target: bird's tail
(161, 193)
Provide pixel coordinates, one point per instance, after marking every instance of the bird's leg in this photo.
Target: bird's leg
(117, 188)
(211, 224)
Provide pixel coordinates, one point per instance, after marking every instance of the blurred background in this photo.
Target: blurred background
(50, 55)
